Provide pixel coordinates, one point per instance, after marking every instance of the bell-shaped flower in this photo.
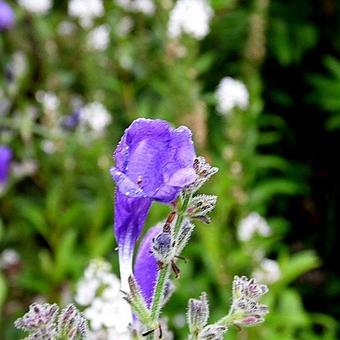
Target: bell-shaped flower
(153, 162)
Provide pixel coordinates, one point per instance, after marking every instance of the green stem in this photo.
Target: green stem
(157, 300)
(164, 273)
(181, 214)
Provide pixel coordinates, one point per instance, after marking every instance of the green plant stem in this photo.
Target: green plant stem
(181, 213)
(162, 278)
(164, 272)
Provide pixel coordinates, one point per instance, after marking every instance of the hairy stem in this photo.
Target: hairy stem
(164, 273)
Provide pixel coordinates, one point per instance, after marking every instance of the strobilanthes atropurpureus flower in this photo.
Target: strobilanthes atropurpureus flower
(153, 162)
(6, 16)
(5, 162)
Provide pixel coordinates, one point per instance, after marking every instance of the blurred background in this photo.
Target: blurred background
(257, 81)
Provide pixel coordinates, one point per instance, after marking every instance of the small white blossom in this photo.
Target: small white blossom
(48, 146)
(8, 258)
(86, 11)
(106, 311)
(19, 64)
(66, 28)
(191, 17)
(25, 168)
(36, 6)
(231, 93)
(268, 272)
(143, 6)
(252, 224)
(96, 116)
(124, 26)
(48, 100)
(99, 38)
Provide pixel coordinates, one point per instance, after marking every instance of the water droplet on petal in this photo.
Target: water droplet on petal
(127, 193)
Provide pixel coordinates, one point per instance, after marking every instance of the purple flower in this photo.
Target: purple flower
(145, 268)
(5, 162)
(71, 121)
(153, 162)
(6, 16)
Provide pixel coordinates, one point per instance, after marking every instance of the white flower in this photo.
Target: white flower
(66, 28)
(106, 312)
(96, 116)
(48, 146)
(99, 38)
(191, 17)
(253, 223)
(231, 93)
(25, 168)
(86, 11)
(124, 26)
(9, 257)
(36, 6)
(49, 100)
(19, 64)
(144, 6)
(268, 272)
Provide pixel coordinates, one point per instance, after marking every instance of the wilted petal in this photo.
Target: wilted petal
(145, 268)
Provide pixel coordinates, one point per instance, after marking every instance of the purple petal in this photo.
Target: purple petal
(6, 16)
(5, 162)
(130, 215)
(155, 157)
(145, 268)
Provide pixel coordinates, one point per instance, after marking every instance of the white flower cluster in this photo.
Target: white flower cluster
(99, 38)
(143, 6)
(231, 93)
(36, 6)
(191, 17)
(99, 291)
(86, 11)
(268, 272)
(252, 224)
(96, 116)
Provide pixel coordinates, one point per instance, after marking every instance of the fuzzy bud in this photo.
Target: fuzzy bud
(200, 206)
(39, 317)
(184, 235)
(246, 308)
(198, 313)
(204, 171)
(213, 332)
(243, 287)
(163, 247)
(72, 323)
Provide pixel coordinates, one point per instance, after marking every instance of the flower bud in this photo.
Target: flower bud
(184, 235)
(201, 205)
(39, 316)
(72, 323)
(242, 287)
(163, 247)
(198, 313)
(213, 332)
(204, 171)
(246, 309)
